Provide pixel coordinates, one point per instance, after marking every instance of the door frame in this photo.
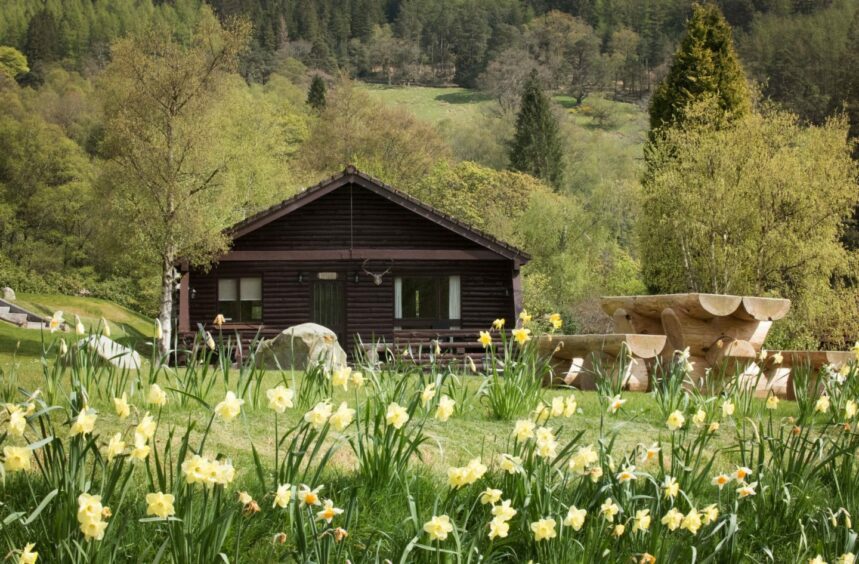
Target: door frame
(340, 284)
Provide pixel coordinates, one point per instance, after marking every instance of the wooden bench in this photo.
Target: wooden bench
(778, 378)
(576, 359)
(427, 346)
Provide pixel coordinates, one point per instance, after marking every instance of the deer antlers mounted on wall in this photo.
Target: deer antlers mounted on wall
(377, 276)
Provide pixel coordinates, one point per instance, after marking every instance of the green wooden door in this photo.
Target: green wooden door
(329, 307)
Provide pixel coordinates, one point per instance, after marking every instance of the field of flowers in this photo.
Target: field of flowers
(218, 462)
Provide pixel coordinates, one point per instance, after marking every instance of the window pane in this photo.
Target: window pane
(230, 310)
(251, 289)
(227, 290)
(425, 297)
(251, 311)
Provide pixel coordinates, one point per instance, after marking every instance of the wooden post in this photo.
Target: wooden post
(517, 290)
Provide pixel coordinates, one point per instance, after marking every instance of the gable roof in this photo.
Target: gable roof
(352, 175)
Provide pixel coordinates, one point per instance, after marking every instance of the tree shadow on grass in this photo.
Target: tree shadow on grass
(464, 97)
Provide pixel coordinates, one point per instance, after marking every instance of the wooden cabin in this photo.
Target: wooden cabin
(359, 257)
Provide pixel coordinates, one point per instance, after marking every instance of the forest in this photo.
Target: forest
(619, 189)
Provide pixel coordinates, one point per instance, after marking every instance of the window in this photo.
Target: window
(240, 299)
(427, 301)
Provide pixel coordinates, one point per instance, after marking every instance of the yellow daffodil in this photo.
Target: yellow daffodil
(84, 423)
(485, 339)
(772, 402)
(17, 423)
(778, 358)
(676, 420)
(438, 527)
(490, 496)
(146, 427)
(503, 511)
(219, 320)
(499, 324)
(544, 529)
(115, 447)
(846, 558)
(575, 518)
(141, 449)
(691, 521)
(498, 529)
(280, 398)
(822, 405)
(609, 509)
(626, 475)
(17, 459)
(357, 379)
(714, 426)
(850, 409)
(444, 409)
(583, 458)
(28, 555)
(595, 473)
(160, 505)
(230, 407)
(570, 406)
(762, 355)
(210, 341)
(105, 327)
(555, 320)
(509, 463)
(159, 330)
(245, 498)
(121, 405)
(727, 408)
(342, 418)
(427, 394)
(524, 317)
(282, 496)
(340, 378)
(521, 335)
(523, 429)
(557, 406)
(618, 530)
(318, 416)
(396, 415)
(672, 519)
(670, 487)
(709, 514)
(90, 516)
(817, 560)
(641, 521)
(156, 396)
(699, 418)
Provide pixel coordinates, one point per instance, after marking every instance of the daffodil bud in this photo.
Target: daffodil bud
(159, 331)
(105, 327)
(79, 326)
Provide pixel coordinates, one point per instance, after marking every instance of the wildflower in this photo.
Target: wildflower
(641, 521)
(357, 379)
(676, 420)
(521, 335)
(16, 458)
(141, 449)
(503, 511)
(544, 529)
(691, 521)
(609, 509)
(427, 394)
(160, 505)
(84, 422)
(445, 408)
(575, 518)
(485, 339)
(670, 487)
(319, 415)
(328, 512)
(438, 527)
(778, 358)
(822, 405)
(340, 378)
(498, 529)
(524, 317)
(307, 496)
(570, 406)
(710, 513)
(230, 407)
(727, 408)
(282, 496)
(342, 418)
(499, 323)
(721, 480)
(28, 555)
(772, 402)
(115, 447)
(742, 472)
(340, 534)
(555, 320)
(219, 320)
(747, 490)
(280, 398)
(510, 464)
(523, 429)
(79, 326)
(699, 418)
(157, 396)
(626, 475)
(651, 452)
(396, 416)
(618, 530)
(850, 409)
(672, 519)
(146, 427)
(490, 496)
(615, 404)
(121, 406)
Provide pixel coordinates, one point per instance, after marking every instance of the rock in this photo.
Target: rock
(299, 345)
(112, 352)
(8, 294)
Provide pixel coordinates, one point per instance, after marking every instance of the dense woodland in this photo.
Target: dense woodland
(77, 130)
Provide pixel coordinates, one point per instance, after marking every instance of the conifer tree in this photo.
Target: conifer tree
(705, 66)
(316, 93)
(536, 146)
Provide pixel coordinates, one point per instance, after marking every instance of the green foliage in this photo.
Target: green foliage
(13, 63)
(755, 208)
(704, 66)
(536, 147)
(316, 94)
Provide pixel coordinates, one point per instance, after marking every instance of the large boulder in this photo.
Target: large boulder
(300, 345)
(8, 294)
(112, 352)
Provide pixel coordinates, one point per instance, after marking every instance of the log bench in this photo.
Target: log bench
(576, 359)
(778, 378)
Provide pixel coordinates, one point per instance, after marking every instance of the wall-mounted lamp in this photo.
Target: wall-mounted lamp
(301, 278)
(193, 293)
(356, 277)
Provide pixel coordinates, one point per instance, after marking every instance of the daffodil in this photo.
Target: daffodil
(17, 459)
(523, 429)
(709, 514)
(727, 408)
(396, 415)
(544, 529)
(676, 420)
(498, 529)
(307, 496)
(850, 409)
(583, 458)
(846, 558)
(427, 394)
(438, 527)
(822, 404)
(699, 418)
(230, 407)
(485, 339)
(503, 511)
(146, 427)
(84, 423)
(609, 509)
(742, 472)
(650, 453)
(641, 521)
(340, 378)
(328, 512)
(445, 408)
(772, 402)
(115, 447)
(691, 521)
(570, 406)
(626, 475)
(219, 320)
(28, 555)
(282, 496)
(521, 335)
(159, 330)
(141, 449)
(747, 490)
(721, 480)
(160, 504)
(490, 496)
(79, 326)
(499, 324)
(17, 423)
(672, 519)
(319, 415)
(615, 404)
(670, 487)
(817, 560)
(280, 398)
(778, 358)
(357, 379)
(575, 518)
(105, 327)
(509, 463)
(56, 321)
(342, 418)
(524, 317)
(157, 396)
(555, 320)
(121, 405)
(557, 406)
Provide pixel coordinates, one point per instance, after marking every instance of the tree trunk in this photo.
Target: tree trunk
(165, 311)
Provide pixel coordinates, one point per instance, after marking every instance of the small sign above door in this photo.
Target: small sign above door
(327, 276)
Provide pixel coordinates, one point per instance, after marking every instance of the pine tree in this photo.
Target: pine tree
(536, 147)
(316, 93)
(705, 66)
